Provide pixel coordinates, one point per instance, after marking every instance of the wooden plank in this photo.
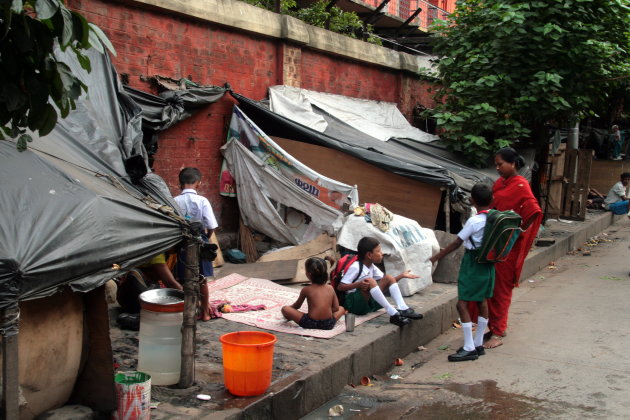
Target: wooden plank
(310, 249)
(218, 261)
(569, 174)
(401, 195)
(95, 384)
(585, 159)
(270, 270)
(10, 378)
(577, 176)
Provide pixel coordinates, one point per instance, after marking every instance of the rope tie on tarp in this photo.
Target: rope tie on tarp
(10, 321)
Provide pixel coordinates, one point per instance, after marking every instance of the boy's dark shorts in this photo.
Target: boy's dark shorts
(476, 280)
(356, 304)
(317, 324)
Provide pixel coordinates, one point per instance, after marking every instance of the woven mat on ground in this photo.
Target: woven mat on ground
(240, 290)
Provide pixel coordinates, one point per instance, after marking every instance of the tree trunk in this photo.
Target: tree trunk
(540, 136)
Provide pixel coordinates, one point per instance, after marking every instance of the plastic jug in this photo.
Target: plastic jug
(160, 338)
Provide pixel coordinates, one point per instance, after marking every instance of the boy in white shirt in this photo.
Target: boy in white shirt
(196, 208)
(476, 280)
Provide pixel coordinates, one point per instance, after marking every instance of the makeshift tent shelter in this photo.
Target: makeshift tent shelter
(269, 181)
(407, 181)
(70, 210)
(78, 208)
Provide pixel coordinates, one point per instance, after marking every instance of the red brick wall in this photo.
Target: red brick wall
(325, 73)
(150, 42)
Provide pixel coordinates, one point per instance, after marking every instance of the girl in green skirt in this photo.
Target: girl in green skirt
(476, 280)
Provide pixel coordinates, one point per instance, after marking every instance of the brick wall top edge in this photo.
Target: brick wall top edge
(240, 15)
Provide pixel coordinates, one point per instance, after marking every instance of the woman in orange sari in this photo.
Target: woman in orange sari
(511, 192)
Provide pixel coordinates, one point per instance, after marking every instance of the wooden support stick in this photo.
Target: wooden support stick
(189, 325)
(10, 368)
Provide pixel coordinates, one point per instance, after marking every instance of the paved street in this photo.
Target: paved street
(565, 356)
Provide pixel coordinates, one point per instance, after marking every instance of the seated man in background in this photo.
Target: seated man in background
(617, 198)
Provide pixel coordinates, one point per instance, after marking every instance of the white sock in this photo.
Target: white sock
(394, 290)
(469, 344)
(482, 323)
(379, 297)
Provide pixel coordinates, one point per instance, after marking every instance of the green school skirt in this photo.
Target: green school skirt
(356, 304)
(476, 280)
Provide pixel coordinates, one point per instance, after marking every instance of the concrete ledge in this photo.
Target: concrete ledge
(372, 348)
(240, 15)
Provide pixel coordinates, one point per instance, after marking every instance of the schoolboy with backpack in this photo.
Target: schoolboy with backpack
(488, 237)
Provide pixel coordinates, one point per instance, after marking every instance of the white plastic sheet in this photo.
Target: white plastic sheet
(381, 120)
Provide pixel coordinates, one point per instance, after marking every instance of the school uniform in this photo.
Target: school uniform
(355, 302)
(196, 208)
(476, 280)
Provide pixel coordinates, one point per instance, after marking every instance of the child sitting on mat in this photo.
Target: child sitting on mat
(323, 306)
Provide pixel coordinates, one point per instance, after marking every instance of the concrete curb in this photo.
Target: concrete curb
(540, 257)
(355, 355)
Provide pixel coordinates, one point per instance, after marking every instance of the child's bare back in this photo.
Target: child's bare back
(321, 300)
(323, 305)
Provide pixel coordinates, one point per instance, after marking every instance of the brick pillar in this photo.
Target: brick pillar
(291, 71)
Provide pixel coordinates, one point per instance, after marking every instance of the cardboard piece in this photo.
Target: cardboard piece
(321, 246)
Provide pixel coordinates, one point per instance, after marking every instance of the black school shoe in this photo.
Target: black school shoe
(480, 350)
(410, 313)
(463, 355)
(398, 320)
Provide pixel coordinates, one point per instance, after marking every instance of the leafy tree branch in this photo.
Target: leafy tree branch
(35, 87)
(508, 67)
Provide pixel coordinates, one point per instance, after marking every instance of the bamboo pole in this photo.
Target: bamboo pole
(9, 328)
(447, 209)
(189, 325)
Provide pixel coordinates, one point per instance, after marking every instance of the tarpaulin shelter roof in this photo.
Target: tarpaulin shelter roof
(70, 214)
(393, 155)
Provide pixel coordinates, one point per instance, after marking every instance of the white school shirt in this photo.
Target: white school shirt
(473, 229)
(366, 272)
(196, 208)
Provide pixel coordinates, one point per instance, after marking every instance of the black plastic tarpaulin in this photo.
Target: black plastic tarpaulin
(348, 141)
(170, 107)
(69, 212)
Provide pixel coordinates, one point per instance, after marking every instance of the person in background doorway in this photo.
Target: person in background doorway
(617, 198)
(616, 143)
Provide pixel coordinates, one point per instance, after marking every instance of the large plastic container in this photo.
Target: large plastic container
(247, 362)
(160, 338)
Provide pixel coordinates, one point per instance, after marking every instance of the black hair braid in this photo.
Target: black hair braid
(317, 269)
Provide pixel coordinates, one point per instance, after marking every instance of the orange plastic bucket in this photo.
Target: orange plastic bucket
(247, 362)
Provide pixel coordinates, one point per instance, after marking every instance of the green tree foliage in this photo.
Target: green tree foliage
(321, 15)
(507, 67)
(31, 78)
